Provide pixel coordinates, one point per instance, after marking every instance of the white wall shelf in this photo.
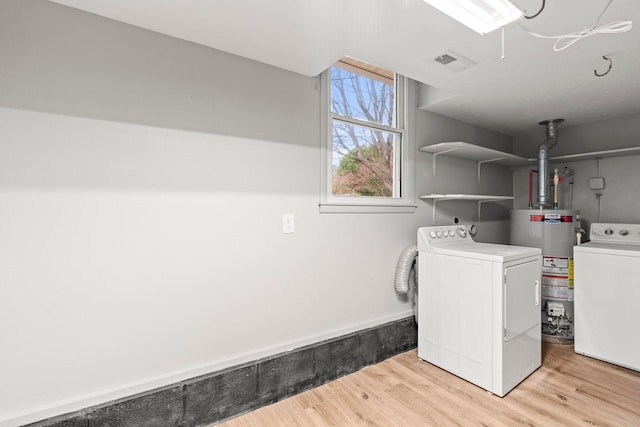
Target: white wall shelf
(484, 155)
(468, 151)
(480, 198)
(594, 155)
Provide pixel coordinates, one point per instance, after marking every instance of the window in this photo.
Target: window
(365, 155)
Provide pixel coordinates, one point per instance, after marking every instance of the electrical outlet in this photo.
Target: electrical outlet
(288, 224)
(596, 183)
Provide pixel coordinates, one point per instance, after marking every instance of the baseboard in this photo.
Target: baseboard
(224, 394)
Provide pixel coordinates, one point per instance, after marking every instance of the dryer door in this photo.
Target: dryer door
(521, 298)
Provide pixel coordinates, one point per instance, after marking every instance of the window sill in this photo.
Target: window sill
(365, 208)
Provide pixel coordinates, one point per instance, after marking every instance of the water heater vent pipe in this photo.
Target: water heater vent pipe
(543, 160)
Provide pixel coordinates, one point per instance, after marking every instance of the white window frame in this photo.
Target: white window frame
(405, 175)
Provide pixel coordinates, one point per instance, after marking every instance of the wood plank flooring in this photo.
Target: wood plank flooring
(568, 390)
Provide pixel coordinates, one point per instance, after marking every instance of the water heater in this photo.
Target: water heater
(553, 231)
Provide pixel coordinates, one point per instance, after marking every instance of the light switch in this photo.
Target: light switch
(288, 223)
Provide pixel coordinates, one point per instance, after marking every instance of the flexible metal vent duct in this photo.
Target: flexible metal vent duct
(543, 160)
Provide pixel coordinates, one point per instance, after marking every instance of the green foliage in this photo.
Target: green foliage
(354, 158)
(364, 171)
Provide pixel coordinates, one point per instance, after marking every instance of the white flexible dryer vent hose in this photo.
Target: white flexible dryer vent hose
(403, 269)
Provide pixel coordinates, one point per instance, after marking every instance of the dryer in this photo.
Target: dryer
(479, 307)
(607, 294)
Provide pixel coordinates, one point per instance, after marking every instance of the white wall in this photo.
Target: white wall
(142, 185)
(620, 199)
(134, 255)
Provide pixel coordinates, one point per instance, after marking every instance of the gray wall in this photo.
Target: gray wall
(619, 201)
(618, 132)
(142, 185)
(458, 176)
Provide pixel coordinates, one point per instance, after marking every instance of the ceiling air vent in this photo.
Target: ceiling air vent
(454, 62)
(445, 59)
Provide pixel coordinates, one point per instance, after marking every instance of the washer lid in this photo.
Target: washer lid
(620, 249)
(485, 251)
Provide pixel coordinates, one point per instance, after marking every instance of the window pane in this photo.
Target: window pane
(363, 95)
(363, 161)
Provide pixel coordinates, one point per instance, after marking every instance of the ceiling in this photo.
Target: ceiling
(509, 95)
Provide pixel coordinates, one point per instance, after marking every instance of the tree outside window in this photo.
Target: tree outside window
(366, 140)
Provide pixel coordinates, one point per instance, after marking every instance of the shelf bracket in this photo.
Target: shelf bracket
(480, 202)
(481, 162)
(435, 202)
(435, 157)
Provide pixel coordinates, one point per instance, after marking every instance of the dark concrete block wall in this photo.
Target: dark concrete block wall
(221, 395)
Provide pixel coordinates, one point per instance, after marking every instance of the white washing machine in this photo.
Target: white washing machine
(479, 307)
(607, 294)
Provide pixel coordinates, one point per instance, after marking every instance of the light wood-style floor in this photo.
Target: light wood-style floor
(567, 390)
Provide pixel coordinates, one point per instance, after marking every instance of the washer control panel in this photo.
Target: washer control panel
(446, 233)
(615, 233)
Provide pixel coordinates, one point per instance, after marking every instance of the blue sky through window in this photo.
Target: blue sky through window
(364, 98)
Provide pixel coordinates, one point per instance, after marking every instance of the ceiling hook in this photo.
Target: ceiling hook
(538, 13)
(606, 72)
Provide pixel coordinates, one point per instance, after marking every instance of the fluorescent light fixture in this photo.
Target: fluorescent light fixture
(482, 16)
